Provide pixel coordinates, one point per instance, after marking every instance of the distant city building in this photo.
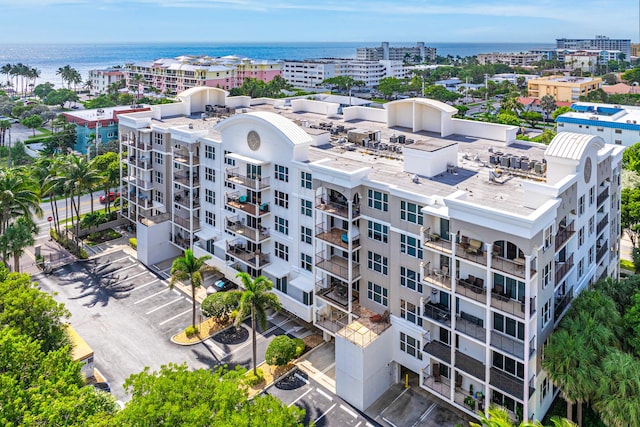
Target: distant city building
(407, 54)
(522, 59)
(582, 60)
(512, 77)
(310, 73)
(102, 79)
(594, 56)
(615, 124)
(635, 49)
(599, 43)
(98, 126)
(174, 75)
(563, 88)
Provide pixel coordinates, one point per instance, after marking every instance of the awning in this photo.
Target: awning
(303, 282)
(277, 269)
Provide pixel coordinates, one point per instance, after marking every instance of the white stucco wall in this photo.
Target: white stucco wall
(311, 106)
(153, 243)
(494, 131)
(365, 113)
(429, 163)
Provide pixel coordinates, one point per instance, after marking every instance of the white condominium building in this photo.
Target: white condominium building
(421, 243)
(615, 124)
(522, 59)
(411, 54)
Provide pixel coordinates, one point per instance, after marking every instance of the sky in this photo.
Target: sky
(136, 21)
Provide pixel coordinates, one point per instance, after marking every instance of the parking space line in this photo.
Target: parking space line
(127, 267)
(324, 394)
(163, 306)
(260, 336)
(325, 413)
(394, 400)
(174, 317)
(348, 411)
(425, 414)
(145, 285)
(151, 296)
(129, 277)
(300, 397)
(120, 259)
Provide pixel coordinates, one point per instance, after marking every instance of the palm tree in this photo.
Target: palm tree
(136, 82)
(255, 300)
(19, 236)
(80, 176)
(499, 417)
(618, 393)
(47, 173)
(4, 125)
(188, 267)
(18, 197)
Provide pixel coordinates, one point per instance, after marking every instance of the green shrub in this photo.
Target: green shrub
(627, 265)
(281, 351)
(191, 331)
(300, 345)
(250, 379)
(133, 242)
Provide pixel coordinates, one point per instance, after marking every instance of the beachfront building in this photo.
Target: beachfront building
(615, 124)
(563, 88)
(101, 80)
(422, 244)
(522, 59)
(310, 73)
(98, 126)
(411, 54)
(598, 43)
(174, 75)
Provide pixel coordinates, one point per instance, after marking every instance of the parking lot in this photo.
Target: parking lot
(321, 406)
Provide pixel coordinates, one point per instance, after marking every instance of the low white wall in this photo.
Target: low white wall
(304, 312)
(239, 101)
(365, 113)
(494, 131)
(153, 243)
(311, 106)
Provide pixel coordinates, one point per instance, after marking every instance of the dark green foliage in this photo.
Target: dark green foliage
(281, 351)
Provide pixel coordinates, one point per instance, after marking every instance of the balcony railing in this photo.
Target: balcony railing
(437, 312)
(238, 226)
(237, 201)
(472, 291)
(532, 346)
(256, 259)
(601, 251)
(183, 242)
(507, 383)
(438, 349)
(507, 344)
(505, 303)
(187, 224)
(337, 265)
(602, 224)
(184, 179)
(144, 203)
(187, 202)
(470, 365)
(603, 196)
(439, 384)
(561, 303)
(258, 183)
(563, 235)
(138, 145)
(435, 242)
(337, 208)
(139, 162)
(437, 277)
(472, 253)
(337, 237)
(185, 160)
(141, 183)
(514, 267)
(471, 325)
(562, 268)
(335, 291)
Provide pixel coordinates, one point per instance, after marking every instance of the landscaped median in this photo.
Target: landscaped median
(206, 330)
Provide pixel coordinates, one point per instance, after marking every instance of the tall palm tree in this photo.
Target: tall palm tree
(618, 400)
(18, 196)
(19, 236)
(188, 267)
(255, 300)
(4, 125)
(137, 80)
(46, 171)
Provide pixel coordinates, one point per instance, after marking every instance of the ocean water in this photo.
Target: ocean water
(84, 57)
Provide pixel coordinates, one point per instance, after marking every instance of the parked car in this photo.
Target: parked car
(220, 285)
(104, 386)
(112, 195)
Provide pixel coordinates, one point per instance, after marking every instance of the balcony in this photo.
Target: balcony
(563, 235)
(439, 278)
(470, 365)
(337, 265)
(182, 242)
(438, 349)
(238, 226)
(140, 183)
(507, 383)
(507, 344)
(473, 288)
(184, 179)
(561, 303)
(186, 201)
(144, 203)
(185, 160)
(438, 312)
(601, 251)
(236, 201)
(237, 249)
(337, 237)
(256, 184)
(602, 224)
(337, 208)
(603, 196)
(562, 268)
(514, 267)
(139, 145)
(187, 224)
(140, 162)
(472, 250)
(435, 242)
(471, 326)
(505, 303)
(438, 384)
(335, 292)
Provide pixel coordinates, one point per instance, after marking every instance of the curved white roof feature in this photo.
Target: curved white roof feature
(192, 91)
(570, 145)
(289, 129)
(441, 106)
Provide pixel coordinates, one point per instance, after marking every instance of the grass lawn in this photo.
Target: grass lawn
(102, 236)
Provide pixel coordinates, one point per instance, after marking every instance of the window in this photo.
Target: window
(508, 326)
(306, 261)
(281, 173)
(307, 298)
(581, 205)
(209, 196)
(410, 246)
(228, 160)
(580, 268)
(159, 158)
(410, 212)
(508, 365)
(210, 152)
(545, 389)
(592, 221)
(410, 312)
(210, 218)
(305, 234)
(410, 345)
(377, 293)
(377, 231)
(592, 192)
(592, 252)
(159, 197)
(618, 131)
(546, 313)
(281, 284)
(282, 251)
(282, 199)
(410, 279)
(547, 236)
(377, 262)
(282, 225)
(378, 200)
(546, 275)
(159, 177)
(209, 174)
(306, 180)
(306, 207)
(581, 236)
